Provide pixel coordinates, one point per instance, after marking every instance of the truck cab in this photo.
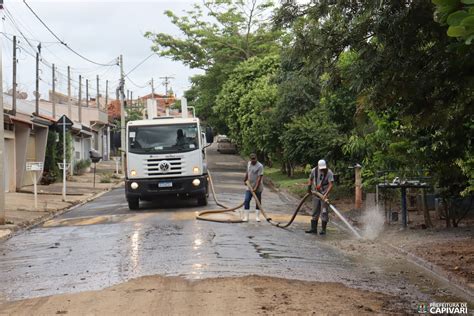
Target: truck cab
(165, 157)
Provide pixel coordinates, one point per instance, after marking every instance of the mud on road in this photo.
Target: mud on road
(250, 295)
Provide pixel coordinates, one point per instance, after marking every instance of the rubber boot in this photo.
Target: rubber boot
(257, 215)
(314, 227)
(323, 229)
(246, 216)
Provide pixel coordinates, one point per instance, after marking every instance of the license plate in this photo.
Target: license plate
(165, 184)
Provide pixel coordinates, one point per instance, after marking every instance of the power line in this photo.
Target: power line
(32, 39)
(136, 85)
(12, 20)
(61, 41)
(18, 27)
(139, 64)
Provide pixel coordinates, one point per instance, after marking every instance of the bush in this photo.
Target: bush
(106, 178)
(81, 165)
(51, 170)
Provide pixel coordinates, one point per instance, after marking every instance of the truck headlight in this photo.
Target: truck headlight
(196, 170)
(133, 173)
(134, 185)
(196, 182)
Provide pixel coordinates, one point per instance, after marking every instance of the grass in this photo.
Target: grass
(296, 185)
(106, 178)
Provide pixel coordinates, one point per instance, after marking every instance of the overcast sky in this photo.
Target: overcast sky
(99, 30)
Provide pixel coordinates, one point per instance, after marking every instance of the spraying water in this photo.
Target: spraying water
(373, 221)
(345, 221)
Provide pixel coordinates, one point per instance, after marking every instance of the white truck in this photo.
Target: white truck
(165, 157)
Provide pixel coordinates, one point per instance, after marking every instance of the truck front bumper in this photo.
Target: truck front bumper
(183, 187)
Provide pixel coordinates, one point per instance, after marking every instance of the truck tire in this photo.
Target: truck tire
(133, 203)
(202, 200)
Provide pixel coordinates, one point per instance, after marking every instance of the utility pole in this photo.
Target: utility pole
(166, 82)
(122, 115)
(37, 80)
(98, 94)
(87, 92)
(2, 141)
(106, 94)
(14, 77)
(79, 103)
(69, 106)
(128, 97)
(53, 99)
(131, 98)
(152, 89)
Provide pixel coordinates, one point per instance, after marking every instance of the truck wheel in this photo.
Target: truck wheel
(202, 200)
(133, 203)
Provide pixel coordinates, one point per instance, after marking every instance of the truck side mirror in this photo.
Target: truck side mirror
(209, 135)
(94, 155)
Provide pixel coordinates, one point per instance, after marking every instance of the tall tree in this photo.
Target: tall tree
(406, 67)
(217, 35)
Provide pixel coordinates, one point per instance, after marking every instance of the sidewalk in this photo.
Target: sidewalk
(447, 253)
(19, 206)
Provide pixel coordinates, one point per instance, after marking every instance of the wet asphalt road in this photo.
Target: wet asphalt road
(102, 243)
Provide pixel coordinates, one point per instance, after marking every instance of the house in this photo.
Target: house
(91, 127)
(25, 136)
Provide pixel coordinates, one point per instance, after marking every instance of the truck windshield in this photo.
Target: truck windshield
(160, 139)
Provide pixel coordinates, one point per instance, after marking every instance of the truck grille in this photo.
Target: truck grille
(163, 167)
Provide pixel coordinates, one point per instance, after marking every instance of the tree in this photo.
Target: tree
(405, 68)
(217, 36)
(311, 137)
(246, 101)
(459, 16)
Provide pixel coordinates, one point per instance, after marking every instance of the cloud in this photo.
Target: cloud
(99, 30)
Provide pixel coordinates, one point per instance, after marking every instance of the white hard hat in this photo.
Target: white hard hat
(322, 164)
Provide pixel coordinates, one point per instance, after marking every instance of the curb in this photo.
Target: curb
(437, 271)
(40, 220)
(450, 278)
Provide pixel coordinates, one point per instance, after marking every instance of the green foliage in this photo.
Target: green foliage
(81, 165)
(412, 85)
(217, 32)
(51, 170)
(377, 83)
(106, 178)
(60, 149)
(311, 137)
(131, 114)
(296, 185)
(459, 16)
(54, 155)
(245, 104)
(216, 36)
(134, 113)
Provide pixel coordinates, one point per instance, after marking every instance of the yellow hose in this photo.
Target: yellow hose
(225, 209)
(201, 215)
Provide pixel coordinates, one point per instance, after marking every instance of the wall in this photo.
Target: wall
(22, 134)
(9, 163)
